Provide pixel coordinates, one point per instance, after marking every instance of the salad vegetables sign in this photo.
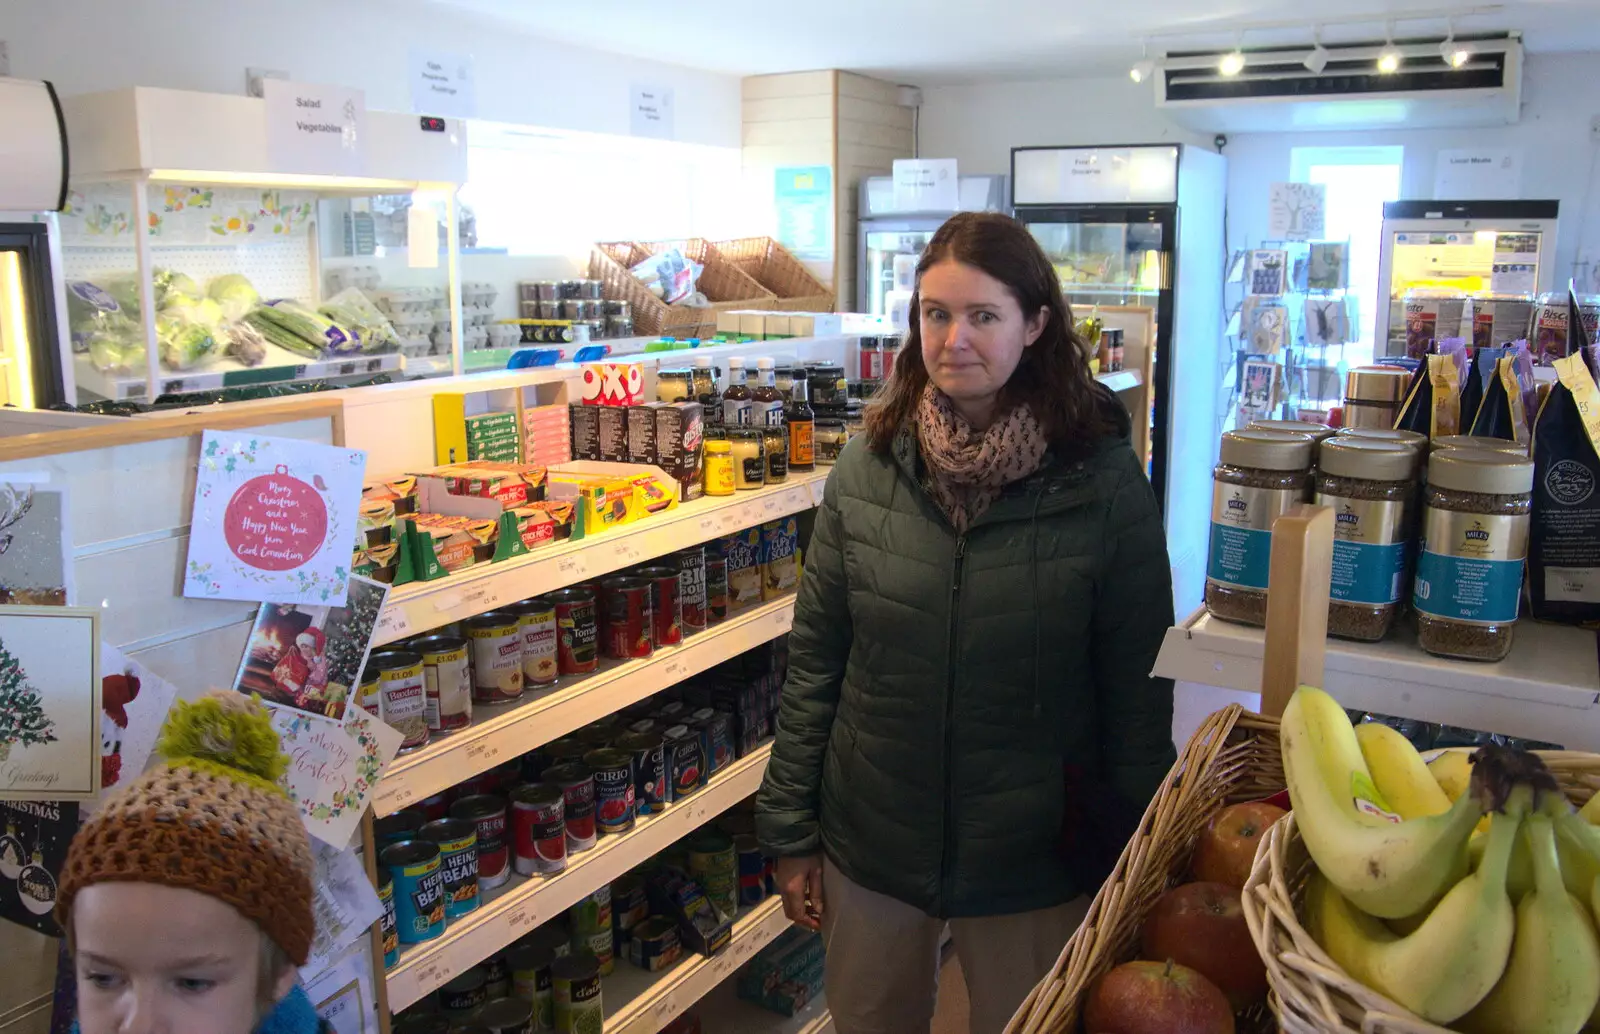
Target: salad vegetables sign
(274, 520)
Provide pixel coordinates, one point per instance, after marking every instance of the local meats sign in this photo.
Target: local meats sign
(274, 520)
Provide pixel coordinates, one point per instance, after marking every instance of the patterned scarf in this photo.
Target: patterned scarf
(969, 469)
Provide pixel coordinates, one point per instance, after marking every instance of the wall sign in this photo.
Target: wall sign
(49, 703)
(1298, 211)
(1095, 175)
(803, 200)
(443, 84)
(926, 185)
(1478, 174)
(314, 129)
(651, 111)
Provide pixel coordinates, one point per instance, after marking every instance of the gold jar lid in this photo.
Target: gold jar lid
(1376, 384)
(1261, 449)
(1416, 441)
(1482, 471)
(1315, 430)
(1343, 456)
(717, 446)
(1479, 441)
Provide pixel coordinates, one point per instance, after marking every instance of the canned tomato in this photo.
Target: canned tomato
(448, 677)
(575, 991)
(418, 889)
(577, 631)
(386, 928)
(538, 617)
(613, 790)
(530, 981)
(716, 729)
(650, 793)
(402, 825)
(627, 630)
(564, 751)
(597, 734)
(488, 813)
(504, 1016)
(465, 994)
(496, 639)
(630, 906)
(752, 870)
(576, 783)
(435, 807)
(539, 829)
(685, 762)
(691, 565)
(458, 863)
(402, 695)
(666, 605)
(716, 588)
(715, 866)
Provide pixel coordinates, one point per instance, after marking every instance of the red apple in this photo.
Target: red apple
(1227, 847)
(1201, 925)
(1156, 998)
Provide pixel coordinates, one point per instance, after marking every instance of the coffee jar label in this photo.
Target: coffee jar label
(1369, 549)
(1470, 567)
(1241, 532)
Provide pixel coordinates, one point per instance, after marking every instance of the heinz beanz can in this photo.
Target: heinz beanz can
(538, 617)
(448, 676)
(418, 889)
(488, 813)
(391, 937)
(458, 863)
(613, 790)
(538, 829)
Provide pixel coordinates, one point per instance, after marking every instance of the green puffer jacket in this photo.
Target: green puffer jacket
(939, 685)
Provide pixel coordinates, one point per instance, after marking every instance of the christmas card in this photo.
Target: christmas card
(35, 546)
(308, 657)
(134, 702)
(1267, 272)
(274, 520)
(49, 703)
(332, 768)
(33, 849)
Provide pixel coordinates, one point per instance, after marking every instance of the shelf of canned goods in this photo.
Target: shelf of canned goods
(1548, 689)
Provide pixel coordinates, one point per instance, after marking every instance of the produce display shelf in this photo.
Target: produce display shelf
(498, 734)
(280, 366)
(510, 911)
(724, 1012)
(1547, 689)
(641, 1002)
(1121, 380)
(419, 606)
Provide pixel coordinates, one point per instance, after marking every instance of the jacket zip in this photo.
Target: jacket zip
(946, 876)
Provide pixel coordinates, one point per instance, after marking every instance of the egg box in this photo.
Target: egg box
(613, 384)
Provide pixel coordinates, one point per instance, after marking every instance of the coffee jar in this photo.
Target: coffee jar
(1370, 486)
(1474, 545)
(1261, 476)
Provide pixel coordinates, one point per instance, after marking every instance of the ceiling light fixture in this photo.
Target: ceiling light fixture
(1144, 68)
(1232, 63)
(1317, 60)
(1456, 55)
(1389, 58)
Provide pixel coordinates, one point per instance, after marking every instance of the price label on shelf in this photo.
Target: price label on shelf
(392, 795)
(484, 751)
(729, 519)
(482, 596)
(519, 919)
(392, 624)
(799, 499)
(707, 525)
(434, 975)
(626, 552)
(572, 566)
(674, 670)
(784, 619)
(769, 505)
(666, 1011)
(818, 487)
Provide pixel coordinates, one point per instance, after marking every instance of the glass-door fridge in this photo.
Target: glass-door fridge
(1138, 231)
(31, 374)
(1481, 262)
(890, 241)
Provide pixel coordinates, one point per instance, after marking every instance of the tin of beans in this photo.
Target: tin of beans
(576, 782)
(628, 627)
(613, 790)
(504, 1016)
(488, 813)
(448, 676)
(496, 639)
(685, 761)
(464, 995)
(650, 792)
(418, 889)
(715, 866)
(666, 605)
(575, 988)
(716, 589)
(402, 695)
(386, 925)
(539, 829)
(577, 631)
(458, 863)
(539, 665)
(692, 588)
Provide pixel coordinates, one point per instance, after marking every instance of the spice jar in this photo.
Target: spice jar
(1474, 542)
(749, 457)
(719, 479)
(1373, 395)
(1315, 430)
(775, 442)
(1262, 474)
(830, 441)
(1369, 486)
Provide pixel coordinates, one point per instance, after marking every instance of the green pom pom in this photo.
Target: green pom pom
(226, 729)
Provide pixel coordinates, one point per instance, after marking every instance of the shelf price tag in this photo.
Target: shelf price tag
(434, 975)
(392, 624)
(572, 566)
(784, 619)
(729, 519)
(481, 595)
(483, 751)
(392, 795)
(818, 488)
(770, 504)
(519, 919)
(627, 552)
(707, 525)
(674, 670)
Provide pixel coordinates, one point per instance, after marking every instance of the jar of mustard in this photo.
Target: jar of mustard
(719, 477)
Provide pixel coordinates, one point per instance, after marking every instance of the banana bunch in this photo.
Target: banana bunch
(1491, 929)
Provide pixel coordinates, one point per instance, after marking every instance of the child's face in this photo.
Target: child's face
(161, 960)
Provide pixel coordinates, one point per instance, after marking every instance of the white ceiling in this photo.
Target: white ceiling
(927, 42)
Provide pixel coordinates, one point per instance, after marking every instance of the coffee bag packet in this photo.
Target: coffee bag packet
(1564, 534)
(1472, 385)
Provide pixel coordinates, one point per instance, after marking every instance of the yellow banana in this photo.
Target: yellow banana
(1591, 810)
(1400, 773)
(1452, 771)
(1454, 958)
(1552, 981)
(1387, 867)
(1577, 847)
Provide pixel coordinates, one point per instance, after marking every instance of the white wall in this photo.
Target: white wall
(89, 45)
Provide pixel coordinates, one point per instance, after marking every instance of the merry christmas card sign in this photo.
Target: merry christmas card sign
(274, 519)
(33, 850)
(49, 703)
(333, 768)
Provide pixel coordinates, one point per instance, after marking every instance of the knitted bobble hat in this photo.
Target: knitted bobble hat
(210, 818)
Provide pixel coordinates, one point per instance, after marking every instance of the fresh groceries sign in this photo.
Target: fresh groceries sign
(317, 130)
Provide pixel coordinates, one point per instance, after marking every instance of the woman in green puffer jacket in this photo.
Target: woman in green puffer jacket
(970, 730)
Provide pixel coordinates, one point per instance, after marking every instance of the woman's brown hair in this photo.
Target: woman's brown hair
(1053, 377)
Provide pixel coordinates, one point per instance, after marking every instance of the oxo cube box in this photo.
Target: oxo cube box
(613, 384)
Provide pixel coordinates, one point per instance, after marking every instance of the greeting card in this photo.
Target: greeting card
(333, 768)
(1264, 325)
(273, 519)
(1330, 262)
(1298, 211)
(1267, 272)
(35, 545)
(134, 702)
(344, 903)
(1327, 321)
(49, 703)
(310, 657)
(33, 849)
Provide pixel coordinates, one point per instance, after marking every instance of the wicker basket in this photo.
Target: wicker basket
(772, 266)
(1232, 757)
(721, 281)
(1311, 993)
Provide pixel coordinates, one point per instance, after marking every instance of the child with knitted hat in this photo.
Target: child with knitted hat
(186, 898)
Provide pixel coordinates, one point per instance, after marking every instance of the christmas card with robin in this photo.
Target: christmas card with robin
(49, 703)
(33, 847)
(274, 520)
(133, 705)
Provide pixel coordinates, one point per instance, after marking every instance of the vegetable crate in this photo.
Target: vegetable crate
(772, 266)
(723, 283)
(1232, 757)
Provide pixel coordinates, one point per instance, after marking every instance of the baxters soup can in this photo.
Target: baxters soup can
(448, 675)
(402, 695)
(538, 617)
(496, 639)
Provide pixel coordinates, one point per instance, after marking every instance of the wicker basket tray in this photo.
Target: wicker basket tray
(1232, 757)
(772, 266)
(721, 281)
(1311, 993)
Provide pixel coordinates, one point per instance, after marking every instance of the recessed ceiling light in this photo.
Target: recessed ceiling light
(1389, 58)
(1232, 63)
(1455, 54)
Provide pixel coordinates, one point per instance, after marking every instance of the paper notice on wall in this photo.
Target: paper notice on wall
(345, 905)
(1298, 211)
(314, 129)
(443, 84)
(1478, 174)
(422, 237)
(926, 185)
(343, 993)
(803, 199)
(651, 111)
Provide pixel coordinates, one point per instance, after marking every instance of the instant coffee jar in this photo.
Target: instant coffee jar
(1262, 475)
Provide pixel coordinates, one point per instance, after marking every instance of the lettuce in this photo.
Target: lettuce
(235, 294)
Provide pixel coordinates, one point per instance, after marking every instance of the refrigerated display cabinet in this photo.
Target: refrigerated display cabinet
(887, 235)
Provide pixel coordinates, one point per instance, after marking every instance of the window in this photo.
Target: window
(1359, 181)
